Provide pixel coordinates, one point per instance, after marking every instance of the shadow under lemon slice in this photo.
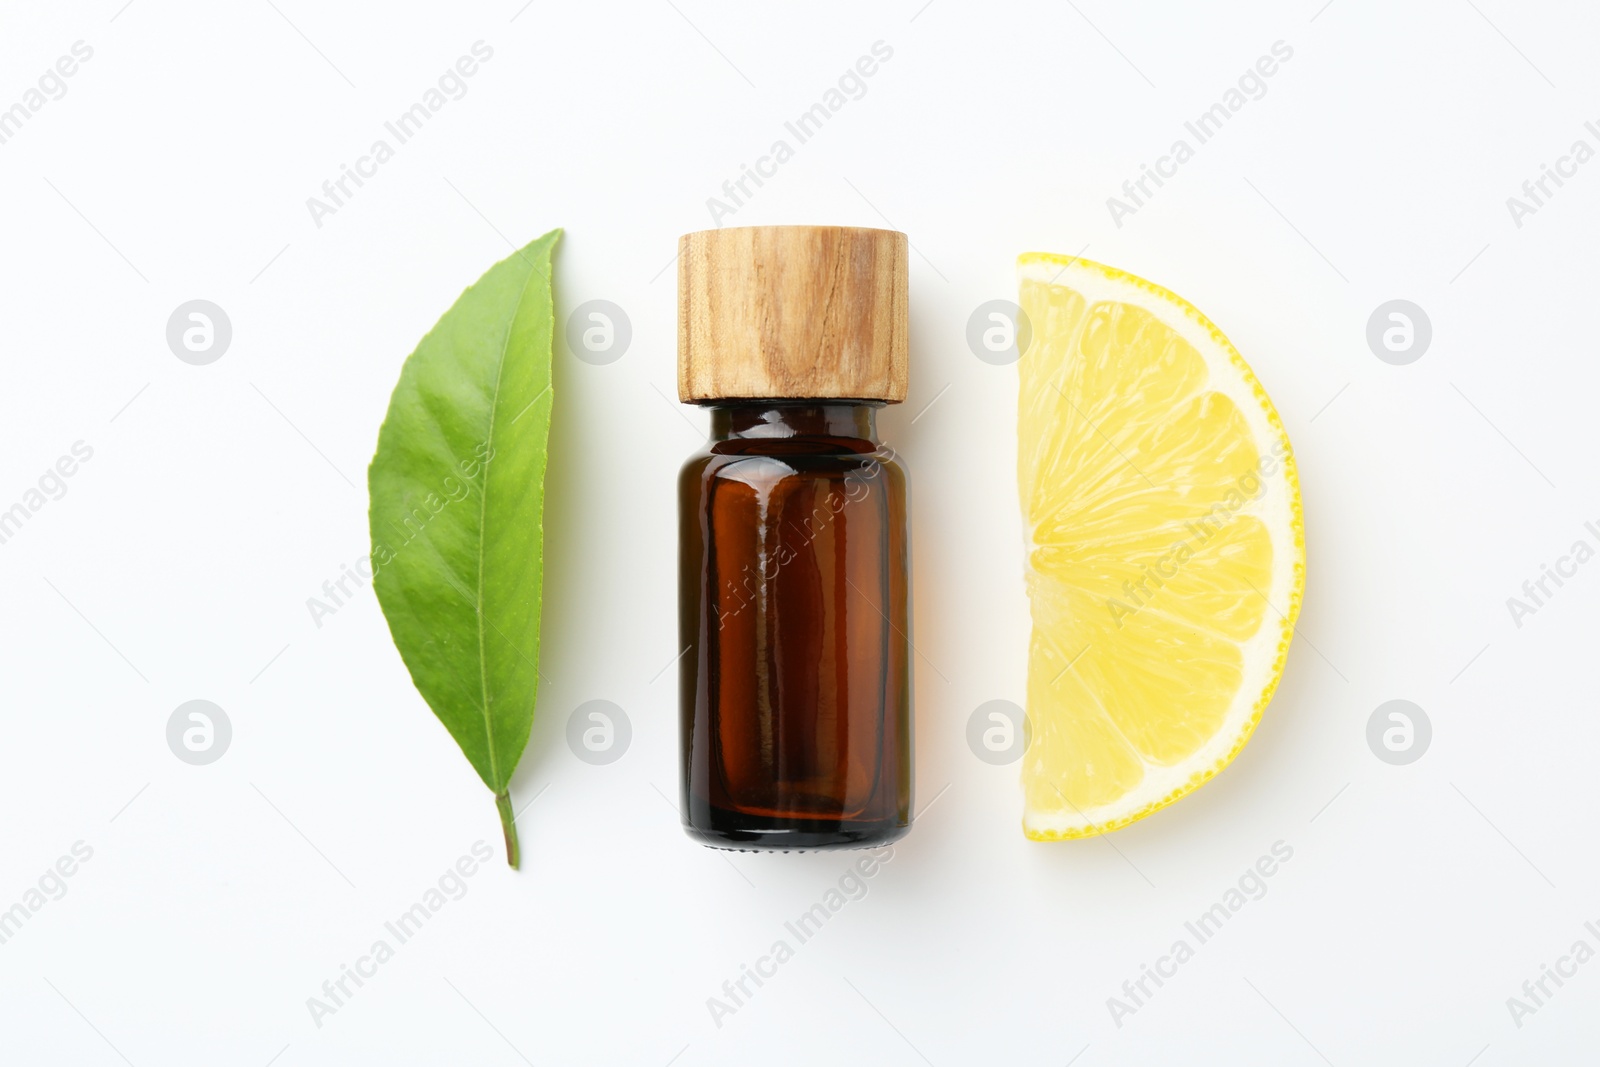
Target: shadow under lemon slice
(1166, 549)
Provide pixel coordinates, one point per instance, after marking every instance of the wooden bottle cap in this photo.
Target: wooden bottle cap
(792, 312)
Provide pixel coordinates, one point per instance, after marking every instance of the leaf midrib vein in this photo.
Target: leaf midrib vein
(483, 518)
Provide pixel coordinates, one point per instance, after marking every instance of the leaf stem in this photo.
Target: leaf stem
(508, 823)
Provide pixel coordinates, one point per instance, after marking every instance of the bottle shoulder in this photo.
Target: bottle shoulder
(766, 470)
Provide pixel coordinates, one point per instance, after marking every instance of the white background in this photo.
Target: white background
(219, 499)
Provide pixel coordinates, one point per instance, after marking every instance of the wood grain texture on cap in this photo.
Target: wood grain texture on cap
(792, 312)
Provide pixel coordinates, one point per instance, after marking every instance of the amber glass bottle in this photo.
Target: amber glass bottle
(794, 565)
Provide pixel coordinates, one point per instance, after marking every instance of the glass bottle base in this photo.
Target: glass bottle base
(748, 833)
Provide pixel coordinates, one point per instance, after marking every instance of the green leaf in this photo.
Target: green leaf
(457, 513)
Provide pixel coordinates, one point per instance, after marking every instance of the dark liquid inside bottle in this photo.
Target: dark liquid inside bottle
(796, 688)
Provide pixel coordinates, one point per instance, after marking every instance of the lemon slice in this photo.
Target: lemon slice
(1166, 550)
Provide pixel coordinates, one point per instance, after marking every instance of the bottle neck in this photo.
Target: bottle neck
(850, 423)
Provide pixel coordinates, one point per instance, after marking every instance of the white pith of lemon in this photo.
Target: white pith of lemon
(1166, 548)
